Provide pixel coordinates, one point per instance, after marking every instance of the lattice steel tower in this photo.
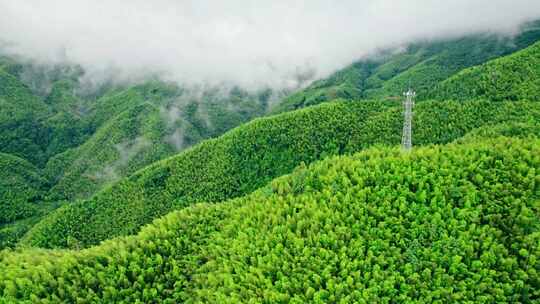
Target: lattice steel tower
(408, 104)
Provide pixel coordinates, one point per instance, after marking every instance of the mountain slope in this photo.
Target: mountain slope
(63, 126)
(514, 77)
(141, 125)
(21, 190)
(49, 117)
(250, 156)
(68, 126)
(86, 172)
(89, 142)
(56, 122)
(124, 144)
(21, 116)
(87, 138)
(453, 223)
(20, 185)
(513, 129)
(421, 65)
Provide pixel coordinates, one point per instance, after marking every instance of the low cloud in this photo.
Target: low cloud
(126, 150)
(255, 44)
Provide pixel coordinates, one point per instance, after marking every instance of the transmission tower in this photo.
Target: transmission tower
(408, 104)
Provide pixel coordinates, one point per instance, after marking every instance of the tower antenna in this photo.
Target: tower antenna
(408, 104)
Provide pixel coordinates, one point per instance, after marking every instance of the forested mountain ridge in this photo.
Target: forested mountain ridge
(154, 121)
(249, 156)
(157, 193)
(420, 65)
(20, 117)
(83, 141)
(22, 192)
(92, 140)
(20, 184)
(68, 127)
(514, 77)
(422, 223)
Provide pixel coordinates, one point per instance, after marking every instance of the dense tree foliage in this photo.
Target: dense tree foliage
(250, 156)
(85, 141)
(21, 120)
(67, 126)
(514, 77)
(421, 65)
(113, 151)
(513, 129)
(40, 114)
(21, 190)
(141, 125)
(87, 138)
(20, 184)
(453, 223)
(12, 232)
(47, 116)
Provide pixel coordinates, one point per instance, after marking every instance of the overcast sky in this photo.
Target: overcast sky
(251, 43)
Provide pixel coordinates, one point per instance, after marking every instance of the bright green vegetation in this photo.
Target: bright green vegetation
(250, 156)
(84, 140)
(454, 221)
(513, 129)
(514, 77)
(422, 65)
(67, 126)
(132, 132)
(49, 120)
(444, 223)
(230, 166)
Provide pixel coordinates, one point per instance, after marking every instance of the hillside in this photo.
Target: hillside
(80, 134)
(48, 93)
(21, 116)
(513, 129)
(21, 189)
(20, 185)
(125, 143)
(139, 126)
(117, 149)
(514, 77)
(445, 223)
(67, 112)
(250, 156)
(67, 126)
(83, 139)
(250, 152)
(421, 65)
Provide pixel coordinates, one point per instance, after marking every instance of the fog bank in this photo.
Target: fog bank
(253, 44)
